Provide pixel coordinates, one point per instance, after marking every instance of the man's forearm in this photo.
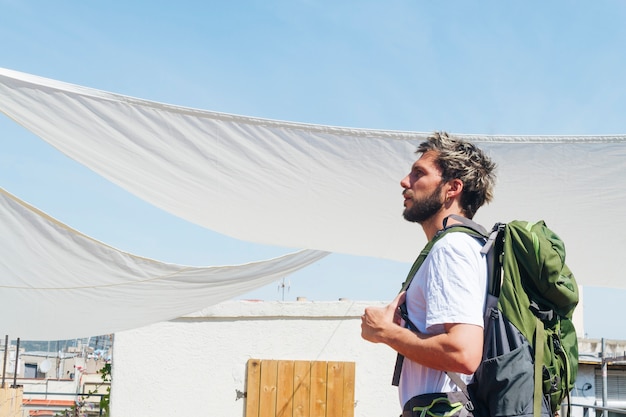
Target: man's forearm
(457, 350)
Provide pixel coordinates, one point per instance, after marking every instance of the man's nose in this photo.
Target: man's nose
(405, 183)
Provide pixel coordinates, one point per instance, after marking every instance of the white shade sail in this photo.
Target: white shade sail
(320, 187)
(56, 283)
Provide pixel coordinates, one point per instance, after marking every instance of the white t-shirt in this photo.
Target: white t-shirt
(449, 287)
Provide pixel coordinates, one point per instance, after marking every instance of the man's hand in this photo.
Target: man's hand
(376, 321)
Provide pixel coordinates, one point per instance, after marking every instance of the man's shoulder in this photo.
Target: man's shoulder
(454, 246)
(453, 238)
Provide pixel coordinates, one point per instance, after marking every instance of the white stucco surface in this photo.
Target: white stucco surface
(196, 365)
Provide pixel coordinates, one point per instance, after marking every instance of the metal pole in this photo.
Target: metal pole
(17, 360)
(605, 390)
(6, 350)
(617, 411)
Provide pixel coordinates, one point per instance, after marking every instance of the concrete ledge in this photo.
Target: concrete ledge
(299, 309)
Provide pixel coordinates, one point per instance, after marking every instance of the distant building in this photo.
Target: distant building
(54, 382)
(601, 363)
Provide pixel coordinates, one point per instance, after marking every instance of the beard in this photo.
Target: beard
(424, 208)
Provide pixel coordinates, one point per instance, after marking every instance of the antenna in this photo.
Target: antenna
(282, 285)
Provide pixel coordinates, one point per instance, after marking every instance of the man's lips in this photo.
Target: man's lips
(406, 196)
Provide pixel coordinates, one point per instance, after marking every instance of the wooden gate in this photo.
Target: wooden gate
(279, 388)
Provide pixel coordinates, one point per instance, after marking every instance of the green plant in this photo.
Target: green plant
(105, 374)
(77, 409)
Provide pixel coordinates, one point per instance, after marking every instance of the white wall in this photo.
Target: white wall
(195, 366)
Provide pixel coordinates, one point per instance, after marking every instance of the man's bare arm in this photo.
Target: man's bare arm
(458, 349)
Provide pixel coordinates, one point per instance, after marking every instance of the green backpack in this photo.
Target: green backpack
(530, 353)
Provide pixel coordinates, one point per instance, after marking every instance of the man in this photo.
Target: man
(446, 298)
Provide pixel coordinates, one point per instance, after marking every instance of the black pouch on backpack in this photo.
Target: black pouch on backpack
(506, 374)
(444, 404)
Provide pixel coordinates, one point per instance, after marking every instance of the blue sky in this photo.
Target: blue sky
(487, 67)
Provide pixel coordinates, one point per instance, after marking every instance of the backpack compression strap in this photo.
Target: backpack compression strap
(538, 392)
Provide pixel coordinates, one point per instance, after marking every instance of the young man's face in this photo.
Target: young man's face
(422, 189)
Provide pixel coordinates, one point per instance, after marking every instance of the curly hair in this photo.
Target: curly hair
(457, 158)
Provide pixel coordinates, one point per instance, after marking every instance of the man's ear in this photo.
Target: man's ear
(455, 188)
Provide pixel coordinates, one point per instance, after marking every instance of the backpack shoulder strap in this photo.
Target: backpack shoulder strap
(492, 249)
(468, 223)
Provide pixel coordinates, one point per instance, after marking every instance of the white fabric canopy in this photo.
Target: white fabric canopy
(56, 283)
(320, 187)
